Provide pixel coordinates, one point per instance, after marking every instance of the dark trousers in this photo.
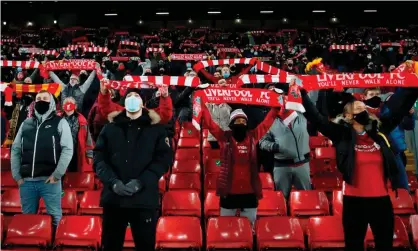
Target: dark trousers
(358, 212)
(143, 223)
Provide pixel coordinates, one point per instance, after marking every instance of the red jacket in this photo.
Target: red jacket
(226, 177)
(96, 120)
(107, 107)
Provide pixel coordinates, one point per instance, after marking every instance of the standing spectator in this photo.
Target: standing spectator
(83, 144)
(288, 138)
(40, 154)
(132, 153)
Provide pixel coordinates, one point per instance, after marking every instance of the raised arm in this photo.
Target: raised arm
(84, 87)
(208, 76)
(213, 128)
(56, 79)
(165, 109)
(265, 125)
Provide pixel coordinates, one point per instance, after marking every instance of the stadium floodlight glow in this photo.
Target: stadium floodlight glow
(370, 11)
(266, 12)
(214, 12)
(162, 13)
(238, 20)
(190, 21)
(4, 23)
(318, 11)
(30, 23)
(55, 21)
(111, 14)
(140, 21)
(284, 20)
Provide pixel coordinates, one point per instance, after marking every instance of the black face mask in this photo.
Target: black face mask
(373, 102)
(147, 74)
(362, 118)
(239, 132)
(41, 106)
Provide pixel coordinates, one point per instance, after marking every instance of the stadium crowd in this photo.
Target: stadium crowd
(88, 111)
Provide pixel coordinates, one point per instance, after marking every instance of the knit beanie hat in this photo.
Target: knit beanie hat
(238, 113)
(129, 90)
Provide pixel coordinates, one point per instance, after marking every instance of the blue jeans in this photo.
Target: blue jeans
(32, 191)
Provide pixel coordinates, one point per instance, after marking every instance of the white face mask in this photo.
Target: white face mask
(133, 104)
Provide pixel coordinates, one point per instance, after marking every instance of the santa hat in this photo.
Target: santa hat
(8, 94)
(238, 113)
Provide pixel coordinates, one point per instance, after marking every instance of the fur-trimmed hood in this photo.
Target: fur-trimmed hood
(374, 122)
(153, 115)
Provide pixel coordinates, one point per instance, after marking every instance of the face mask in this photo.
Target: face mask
(373, 102)
(390, 49)
(133, 104)
(41, 106)
(69, 107)
(255, 53)
(239, 131)
(226, 75)
(362, 118)
(189, 65)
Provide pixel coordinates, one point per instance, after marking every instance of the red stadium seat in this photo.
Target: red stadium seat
(308, 203)
(5, 159)
(205, 133)
(403, 204)
(414, 227)
(412, 181)
(181, 203)
(273, 203)
(266, 181)
(206, 143)
(209, 154)
(318, 166)
(1, 227)
(188, 154)
(211, 205)
(211, 180)
(79, 231)
(185, 181)
(400, 235)
(189, 132)
(10, 201)
(186, 166)
(325, 153)
(178, 232)
(79, 181)
(326, 182)
(90, 203)
(68, 203)
(29, 230)
(337, 203)
(279, 232)
(325, 232)
(229, 233)
(7, 181)
(212, 165)
(188, 143)
(162, 185)
(129, 239)
(317, 141)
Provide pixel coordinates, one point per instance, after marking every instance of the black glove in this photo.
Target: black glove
(120, 189)
(275, 148)
(134, 186)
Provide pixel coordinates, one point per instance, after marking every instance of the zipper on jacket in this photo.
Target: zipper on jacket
(296, 142)
(34, 148)
(53, 147)
(21, 147)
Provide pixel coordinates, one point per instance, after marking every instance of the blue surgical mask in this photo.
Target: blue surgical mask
(189, 65)
(226, 75)
(255, 53)
(390, 49)
(133, 104)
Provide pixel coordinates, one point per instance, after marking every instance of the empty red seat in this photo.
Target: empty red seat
(318, 166)
(5, 158)
(273, 203)
(212, 165)
(7, 181)
(412, 181)
(279, 232)
(90, 203)
(79, 231)
(79, 181)
(308, 203)
(210, 182)
(403, 204)
(326, 182)
(177, 232)
(188, 143)
(325, 153)
(189, 132)
(10, 201)
(162, 185)
(209, 153)
(68, 203)
(317, 141)
(184, 181)
(337, 203)
(414, 227)
(211, 205)
(266, 181)
(29, 230)
(229, 233)
(1, 227)
(181, 202)
(186, 166)
(186, 154)
(325, 232)
(400, 235)
(129, 239)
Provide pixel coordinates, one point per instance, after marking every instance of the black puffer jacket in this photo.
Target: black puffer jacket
(343, 135)
(132, 149)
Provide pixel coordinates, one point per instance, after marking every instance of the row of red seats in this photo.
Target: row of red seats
(185, 232)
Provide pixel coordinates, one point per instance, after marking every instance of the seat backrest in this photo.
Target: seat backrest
(185, 181)
(181, 202)
(325, 229)
(211, 204)
(325, 153)
(272, 203)
(307, 203)
(210, 181)
(189, 153)
(413, 221)
(279, 228)
(266, 181)
(29, 229)
(10, 201)
(178, 232)
(403, 204)
(90, 199)
(186, 166)
(7, 180)
(79, 231)
(79, 181)
(337, 203)
(228, 232)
